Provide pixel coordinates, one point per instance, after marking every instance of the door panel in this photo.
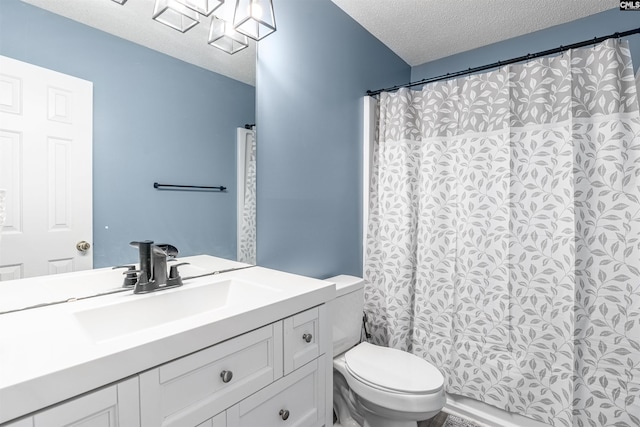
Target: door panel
(46, 137)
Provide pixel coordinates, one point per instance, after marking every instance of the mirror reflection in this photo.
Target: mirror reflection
(154, 119)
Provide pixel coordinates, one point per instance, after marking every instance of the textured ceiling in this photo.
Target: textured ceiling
(417, 30)
(420, 31)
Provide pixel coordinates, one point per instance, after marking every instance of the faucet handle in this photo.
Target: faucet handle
(144, 284)
(173, 272)
(174, 275)
(130, 275)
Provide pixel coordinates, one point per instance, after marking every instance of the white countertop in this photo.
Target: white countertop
(47, 356)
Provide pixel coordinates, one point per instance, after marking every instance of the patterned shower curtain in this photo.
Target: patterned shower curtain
(247, 214)
(503, 240)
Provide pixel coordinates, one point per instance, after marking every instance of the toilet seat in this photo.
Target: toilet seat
(393, 370)
(378, 394)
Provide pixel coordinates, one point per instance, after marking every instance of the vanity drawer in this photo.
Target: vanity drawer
(188, 390)
(25, 422)
(301, 339)
(110, 406)
(297, 400)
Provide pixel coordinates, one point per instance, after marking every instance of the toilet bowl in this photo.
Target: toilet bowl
(391, 388)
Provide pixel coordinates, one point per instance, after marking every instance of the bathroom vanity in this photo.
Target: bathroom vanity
(249, 347)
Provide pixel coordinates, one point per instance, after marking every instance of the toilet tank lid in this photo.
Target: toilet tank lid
(346, 284)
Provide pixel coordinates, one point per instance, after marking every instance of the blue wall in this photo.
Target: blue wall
(312, 74)
(156, 118)
(601, 24)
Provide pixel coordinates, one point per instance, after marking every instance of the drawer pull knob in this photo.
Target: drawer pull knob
(226, 376)
(307, 337)
(284, 414)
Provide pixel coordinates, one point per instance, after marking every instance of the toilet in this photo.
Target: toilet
(376, 386)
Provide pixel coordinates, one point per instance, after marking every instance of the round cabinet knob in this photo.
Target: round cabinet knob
(83, 246)
(226, 376)
(284, 414)
(307, 337)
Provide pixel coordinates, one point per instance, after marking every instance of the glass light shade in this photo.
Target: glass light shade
(254, 18)
(175, 15)
(224, 37)
(203, 7)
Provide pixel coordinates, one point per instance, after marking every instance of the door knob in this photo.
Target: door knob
(307, 337)
(83, 246)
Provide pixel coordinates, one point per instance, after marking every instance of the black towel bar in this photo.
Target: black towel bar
(193, 187)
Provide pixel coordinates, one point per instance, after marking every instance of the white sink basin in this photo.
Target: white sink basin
(141, 312)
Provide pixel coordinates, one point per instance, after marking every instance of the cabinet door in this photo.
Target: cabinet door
(113, 406)
(301, 339)
(192, 389)
(219, 420)
(297, 400)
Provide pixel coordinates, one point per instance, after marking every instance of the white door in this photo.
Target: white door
(46, 137)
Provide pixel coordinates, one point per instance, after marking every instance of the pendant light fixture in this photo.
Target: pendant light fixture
(175, 15)
(203, 7)
(223, 36)
(254, 18)
(232, 24)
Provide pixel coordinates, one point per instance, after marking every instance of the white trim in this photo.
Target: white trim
(485, 415)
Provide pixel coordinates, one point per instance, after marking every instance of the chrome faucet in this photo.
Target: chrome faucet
(152, 275)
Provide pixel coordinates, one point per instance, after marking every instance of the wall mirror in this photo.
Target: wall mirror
(156, 119)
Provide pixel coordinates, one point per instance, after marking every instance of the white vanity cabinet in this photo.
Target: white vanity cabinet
(276, 375)
(219, 420)
(191, 389)
(297, 400)
(302, 342)
(271, 376)
(112, 406)
(266, 377)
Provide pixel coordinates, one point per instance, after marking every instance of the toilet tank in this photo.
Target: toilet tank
(346, 311)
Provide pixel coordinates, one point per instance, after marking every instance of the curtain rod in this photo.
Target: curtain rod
(526, 57)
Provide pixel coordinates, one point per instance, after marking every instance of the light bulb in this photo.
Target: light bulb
(228, 29)
(256, 11)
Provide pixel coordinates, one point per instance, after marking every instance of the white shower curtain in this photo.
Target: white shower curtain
(503, 241)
